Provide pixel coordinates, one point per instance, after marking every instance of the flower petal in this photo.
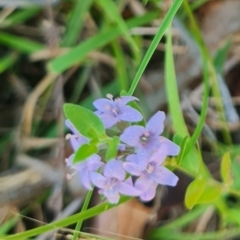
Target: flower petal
(82, 140)
(143, 183)
(121, 147)
(139, 159)
(98, 179)
(94, 162)
(132, 168)
(69, 161)
(149, 194)
(98, 112)
(74, 143)
(159, 156)
(103, 105)
(132, 158)
(125, 99)
(163, 176)
(111, 197)
(132, 134)
(108, 120)
(130, 114)
(155, 123)
(85, 178)
(80, 165)
(172, 148)
(128, 190)
(129, 181)
(71, 127)
(114, 168)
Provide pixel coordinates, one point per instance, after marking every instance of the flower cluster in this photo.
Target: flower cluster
(137, 168)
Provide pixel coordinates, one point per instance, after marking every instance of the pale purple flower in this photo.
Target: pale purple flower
(85, 168)
(150, 172)
(76, 139)
(112, 183)
(150, 193)
(113, 111)
(147, 139)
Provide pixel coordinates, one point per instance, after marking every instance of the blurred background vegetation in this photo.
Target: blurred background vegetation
(56, 51)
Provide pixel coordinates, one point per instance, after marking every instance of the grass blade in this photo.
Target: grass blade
(21, 44)
(165, 23)
(121, 66)
(172, 90)
(7, 61)
(192, 161)
(20, 16)
(111, 11)
(204, 109)
(75, 23)
(78, 53)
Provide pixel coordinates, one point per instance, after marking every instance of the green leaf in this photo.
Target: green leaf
(193, 192)
(202, 191)
(233, 215)
(210, 194)
(85, 121)
(226, 169)
(236, 175)
(112, 148)
(85, 151)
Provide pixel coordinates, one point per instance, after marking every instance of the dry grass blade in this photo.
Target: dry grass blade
(30, 104)
(204, 220)
(47, 54)
(6, 12)
(28, 143)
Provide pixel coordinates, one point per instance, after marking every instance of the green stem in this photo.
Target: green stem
(91, 212)
(79, 223)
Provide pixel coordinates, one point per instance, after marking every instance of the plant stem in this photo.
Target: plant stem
(91, 212)
(79, 223)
